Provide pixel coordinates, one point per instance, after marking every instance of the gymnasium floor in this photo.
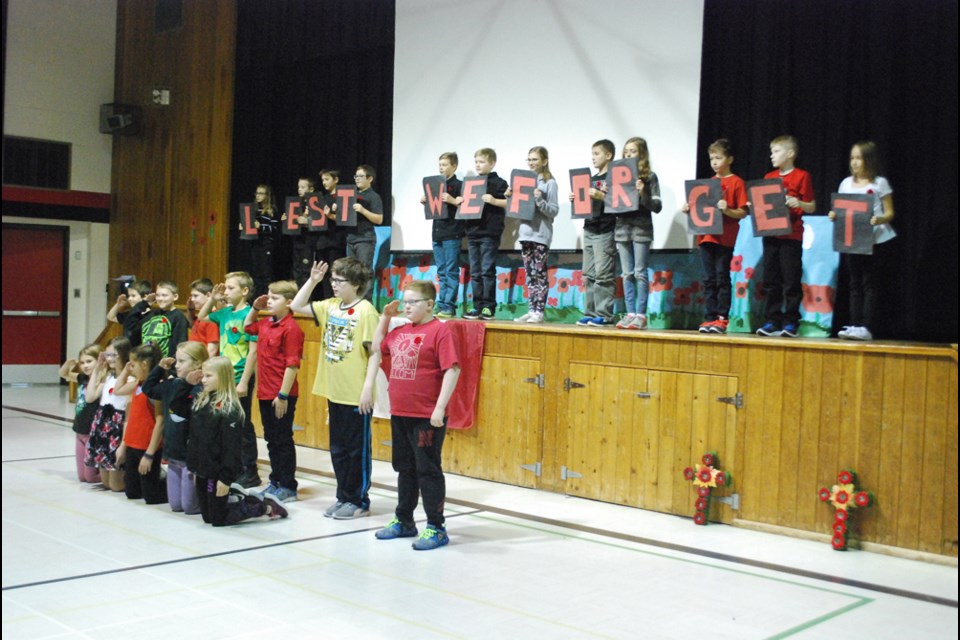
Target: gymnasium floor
(81, 563)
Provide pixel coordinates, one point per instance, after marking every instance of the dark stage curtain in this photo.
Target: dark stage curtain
(314, 90)
(834, 72)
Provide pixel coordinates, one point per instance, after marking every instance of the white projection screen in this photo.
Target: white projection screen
(558, 73)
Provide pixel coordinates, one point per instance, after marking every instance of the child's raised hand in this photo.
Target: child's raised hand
(220, 292)
(151, 298)
(166, 363)
(122, 303)
(260, 303)
(392, 310)
(194, 377)
(318, 271)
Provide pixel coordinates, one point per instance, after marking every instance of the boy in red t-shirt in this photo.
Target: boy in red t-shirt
(423, 371)
(716, 252)
(279, 351)
(202, 331)
(783, 255)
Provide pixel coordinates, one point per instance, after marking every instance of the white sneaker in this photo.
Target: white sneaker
(626, 321)
(861, 333)
(524, 318)
(846, 333)
(535, 317)
(639, 322)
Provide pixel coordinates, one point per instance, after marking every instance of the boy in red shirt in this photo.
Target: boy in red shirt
(716, 252)
(783, 255)
(423, 372)
(202, 331)
(279, 351)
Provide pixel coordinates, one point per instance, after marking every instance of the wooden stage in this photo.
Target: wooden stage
(617, 415)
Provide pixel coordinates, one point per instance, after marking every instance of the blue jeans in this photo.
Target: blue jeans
(634, 257)
(483, 271)
(446, 255)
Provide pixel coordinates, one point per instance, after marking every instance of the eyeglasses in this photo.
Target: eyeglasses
(338, 280)
(359, 176)
(412, 302)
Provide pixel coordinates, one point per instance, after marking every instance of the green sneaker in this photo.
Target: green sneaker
(431, 538)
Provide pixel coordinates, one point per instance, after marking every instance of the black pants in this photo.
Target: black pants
(302, 261)
(350, 452)
(222, 511)
(278, 432)
(136, 486)
(715, 261)
(863, 292)
(248, 436)
(328, 253)
(416, 459)
(782, 272)
(262, 252)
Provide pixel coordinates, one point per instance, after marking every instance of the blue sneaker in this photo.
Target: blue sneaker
(269, 490)
(282, 494)
(431, 538)
(769, 329)
(789, 331)
(585, 321)
(396, 529)
(600, 322)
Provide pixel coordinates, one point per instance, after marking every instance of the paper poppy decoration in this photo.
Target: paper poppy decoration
(350, 311)
(844, 497)
(705, 477)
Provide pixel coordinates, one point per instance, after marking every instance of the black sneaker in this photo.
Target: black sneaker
(249, 480)
(473, 314)
(275, 508)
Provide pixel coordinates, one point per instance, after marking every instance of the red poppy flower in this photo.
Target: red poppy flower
(405, 280)
(700, 504)
(736, 263)
(722, 478)
(110, 390)
(425, 263)
(521, 278)
(869, 191)
(234, 330)
(418, 340)
(842, 497)
(401, 263)
(164, 320)
(552, 302)
(681, 297)
(845, 477)
(700, 518)
(709, 459)
(662, 281)
(213, 217)
(350, 311)
(840, 528)
(563, 285)
(862, 499)
(694, 286)
(748, 273)
(839, 543)
(703, 492)
(503, 280)
(193, 223)
(741, 291)
(841, 515)
(824, 494)
(688, 473)
(818, 298)
(576, 278)
(704, 475)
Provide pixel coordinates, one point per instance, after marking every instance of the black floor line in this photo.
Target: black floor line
(35, 459)
(38, 413)
(207, 556)
(660, 544)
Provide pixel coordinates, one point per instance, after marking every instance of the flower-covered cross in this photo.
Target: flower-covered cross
(844, 496)
(705, 478)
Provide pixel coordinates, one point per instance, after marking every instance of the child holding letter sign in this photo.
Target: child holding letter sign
(447, 234)
(783, 255)
(483, 238)
(535, 234)
(716, 252)
(863, 179)
(634, 233)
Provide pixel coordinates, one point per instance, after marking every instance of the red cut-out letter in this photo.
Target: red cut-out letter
(580, 185)
(701, 214)
(762, 207)
(318, 221)
(619, 176)
(853, 208)
(473, 190)
(435, 201)
(523, 188)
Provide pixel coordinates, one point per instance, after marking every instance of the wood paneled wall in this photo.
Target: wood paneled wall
(649, 407)
(171, 185)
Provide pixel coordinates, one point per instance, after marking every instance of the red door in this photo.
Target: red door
(34, 282)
